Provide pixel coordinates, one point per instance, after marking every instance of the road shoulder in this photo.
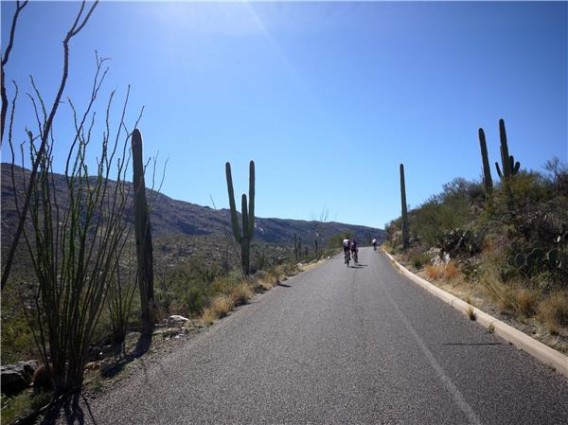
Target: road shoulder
(553, 358)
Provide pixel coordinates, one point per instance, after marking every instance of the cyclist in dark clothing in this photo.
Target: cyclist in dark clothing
(354, 250)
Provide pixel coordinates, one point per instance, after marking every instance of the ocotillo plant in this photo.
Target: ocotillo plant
(510, 167)
(143, 237)
(244, 238)
(405, 234)
(487, 180)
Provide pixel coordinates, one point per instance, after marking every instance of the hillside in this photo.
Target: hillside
(502, 248)
(179, 219)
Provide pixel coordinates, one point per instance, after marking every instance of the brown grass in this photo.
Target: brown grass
(442, 271)
(434, 271)
(553, 311)
(526, 302)
(241, 294)
(500, 293)
(219, 308)
(451, 271)
(267, 280)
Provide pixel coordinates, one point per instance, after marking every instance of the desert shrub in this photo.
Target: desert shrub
(442, 271)
(491, 279)
(434, 271)
(21, 405)
(553, 311)
(452, 209)
(241, 293)
(451, 271)
(220, 307)
(268, 279)
(419, 259)
(17, 340)
(194, 300)
(526, 301)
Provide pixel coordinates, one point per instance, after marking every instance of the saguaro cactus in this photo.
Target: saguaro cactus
(510, 167)
(487, 180)
(297, 247)
(405, 232)
(143, 236)
(244, 238)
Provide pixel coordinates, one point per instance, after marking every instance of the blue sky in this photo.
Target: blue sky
(328, 98)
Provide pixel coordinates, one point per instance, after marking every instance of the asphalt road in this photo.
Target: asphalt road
(338, 345)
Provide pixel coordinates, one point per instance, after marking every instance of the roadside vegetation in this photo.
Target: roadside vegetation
(503, 248)
(198, 278)
(86, 289)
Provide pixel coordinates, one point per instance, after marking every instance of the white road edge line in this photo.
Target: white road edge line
(450, 386)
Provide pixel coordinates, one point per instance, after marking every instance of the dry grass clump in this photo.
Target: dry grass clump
(241, 293)
(496, 289)
(219, 308)
(451, 271)
(526, 301)
(269, 279)
(553, 311)
(442, 271)
(434, 271)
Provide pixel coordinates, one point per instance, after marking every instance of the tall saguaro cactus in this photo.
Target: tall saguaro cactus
(405, 232)
(143, 237)
(244, 238)
(487, 180)
(510, 167)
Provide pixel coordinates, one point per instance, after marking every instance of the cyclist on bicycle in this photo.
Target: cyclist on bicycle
(354, 250)
(346, 246)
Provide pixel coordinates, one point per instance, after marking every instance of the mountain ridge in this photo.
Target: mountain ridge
(170, 217)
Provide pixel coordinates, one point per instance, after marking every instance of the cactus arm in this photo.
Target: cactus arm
(232, 205)
(515, 166)
(245, 216)
(498, 170)
(245, 242)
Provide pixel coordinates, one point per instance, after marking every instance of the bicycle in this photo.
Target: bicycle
(355, 256)
(347, 257)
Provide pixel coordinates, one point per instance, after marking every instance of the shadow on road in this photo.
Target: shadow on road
(70, 410)
(142, 347)
(66, 409)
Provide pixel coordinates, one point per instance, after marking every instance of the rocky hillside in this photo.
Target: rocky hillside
(171, 217)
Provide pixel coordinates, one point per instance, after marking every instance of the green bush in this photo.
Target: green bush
(195, 299)
(419, 260)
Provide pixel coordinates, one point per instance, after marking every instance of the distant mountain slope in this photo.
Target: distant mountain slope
(171, 217)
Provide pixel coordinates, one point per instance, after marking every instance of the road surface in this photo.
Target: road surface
(338, 345)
